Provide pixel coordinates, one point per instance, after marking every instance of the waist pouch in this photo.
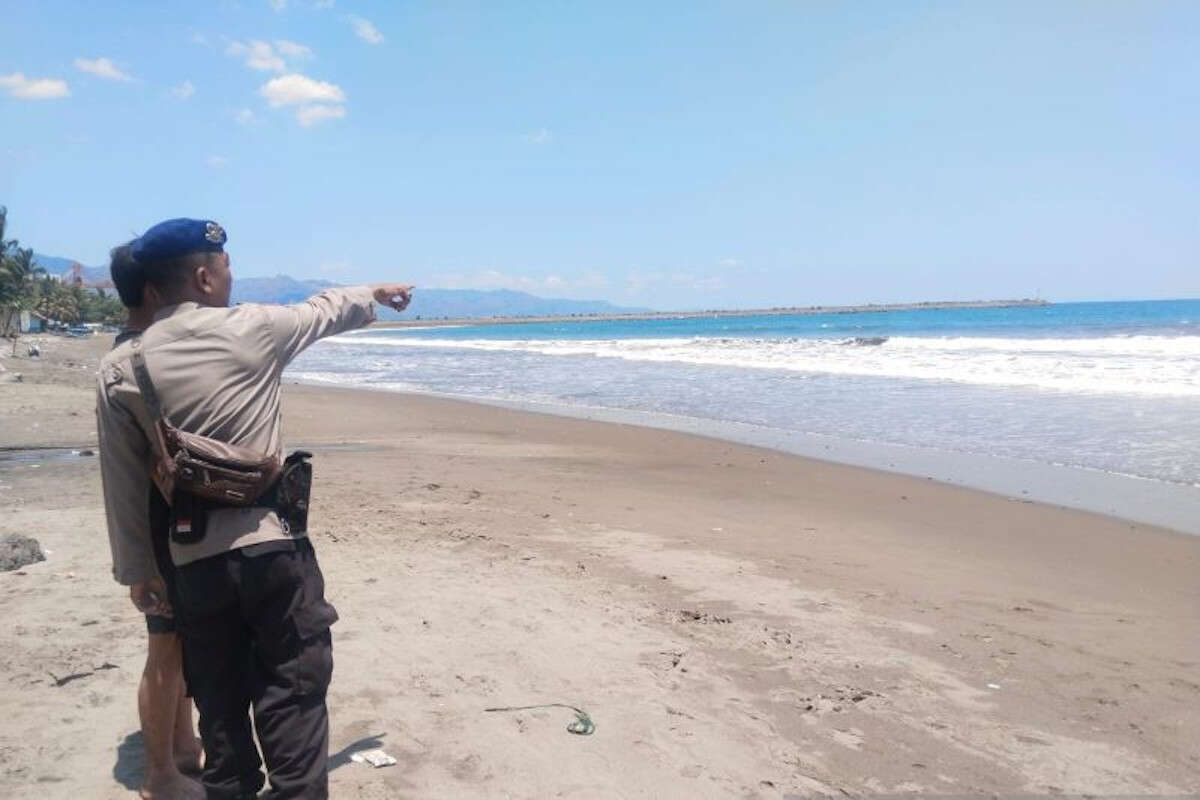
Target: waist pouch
(288, 496)
(224, 473)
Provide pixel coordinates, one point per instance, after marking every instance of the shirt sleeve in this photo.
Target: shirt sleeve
(329, 313)
(123, 458)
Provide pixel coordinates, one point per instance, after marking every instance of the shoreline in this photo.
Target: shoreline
(931, 305)
(1132, 498)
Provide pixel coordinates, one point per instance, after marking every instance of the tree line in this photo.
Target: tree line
(25, 286)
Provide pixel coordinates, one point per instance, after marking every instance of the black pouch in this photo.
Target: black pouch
(293, 490)
(188, 518)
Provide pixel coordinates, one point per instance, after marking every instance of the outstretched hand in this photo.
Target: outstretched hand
(150, 597)
(396, 296)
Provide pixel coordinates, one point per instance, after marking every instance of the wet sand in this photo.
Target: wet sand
(736, 621)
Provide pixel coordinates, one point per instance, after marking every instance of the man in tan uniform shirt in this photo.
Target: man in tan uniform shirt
(173, 752)
(252, 612)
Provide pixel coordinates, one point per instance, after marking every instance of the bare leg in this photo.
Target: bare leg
(189, 753)
(158, 704)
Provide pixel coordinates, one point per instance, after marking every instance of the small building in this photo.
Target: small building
(31, 323)
(22, 322)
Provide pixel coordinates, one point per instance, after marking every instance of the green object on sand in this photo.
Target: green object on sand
(582, 725)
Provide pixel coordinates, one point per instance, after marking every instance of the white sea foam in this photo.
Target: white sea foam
(1142, 365)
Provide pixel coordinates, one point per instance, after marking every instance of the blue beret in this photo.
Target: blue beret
(178, 237)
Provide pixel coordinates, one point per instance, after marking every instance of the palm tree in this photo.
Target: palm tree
(18, 273)
(56, 301)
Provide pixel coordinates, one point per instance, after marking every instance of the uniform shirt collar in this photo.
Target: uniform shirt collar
(178, 308)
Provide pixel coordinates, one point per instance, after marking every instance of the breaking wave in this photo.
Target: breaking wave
(1139, 365)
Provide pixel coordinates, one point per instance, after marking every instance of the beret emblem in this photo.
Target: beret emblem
(213, 233)
(173, 238)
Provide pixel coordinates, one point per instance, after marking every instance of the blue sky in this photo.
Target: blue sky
(668, 154)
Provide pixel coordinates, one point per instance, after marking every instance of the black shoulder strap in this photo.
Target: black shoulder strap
(145, 385)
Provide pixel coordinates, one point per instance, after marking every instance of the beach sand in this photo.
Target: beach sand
(736, 621)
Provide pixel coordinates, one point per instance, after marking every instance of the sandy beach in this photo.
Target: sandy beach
(738, 622)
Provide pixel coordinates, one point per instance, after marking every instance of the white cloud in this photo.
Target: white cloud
(217, 162)
(278, 5)
(200, 39)
(730, 262)
(317, 100)
(311, 115)
(365, 29)
(244, 116)
(292, 49)
(183, 91)
(324, 3)
(296, 89)
(540, 136)
(17, 85)
(265, 57)
(101, 68)
(258, 55)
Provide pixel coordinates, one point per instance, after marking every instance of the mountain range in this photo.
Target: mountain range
(432, 303)
(427, 303)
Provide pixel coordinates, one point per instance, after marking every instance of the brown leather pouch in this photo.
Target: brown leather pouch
(216, 470)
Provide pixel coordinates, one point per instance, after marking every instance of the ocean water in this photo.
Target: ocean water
(1111, 387)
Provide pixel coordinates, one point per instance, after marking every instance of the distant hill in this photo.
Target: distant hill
(281, 289)
(57, 265)
(431, 303)
(427, 303)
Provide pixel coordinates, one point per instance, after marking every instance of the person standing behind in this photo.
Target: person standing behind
(164, 708)
(251, 600)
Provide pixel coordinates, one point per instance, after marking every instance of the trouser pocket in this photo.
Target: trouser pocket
(314, 659)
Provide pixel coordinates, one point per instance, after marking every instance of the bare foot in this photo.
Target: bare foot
(190, 760)
(172, 787)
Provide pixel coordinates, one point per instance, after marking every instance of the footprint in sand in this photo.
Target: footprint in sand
(468, 768)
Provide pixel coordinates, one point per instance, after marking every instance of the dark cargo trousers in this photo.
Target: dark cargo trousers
(255, 627)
